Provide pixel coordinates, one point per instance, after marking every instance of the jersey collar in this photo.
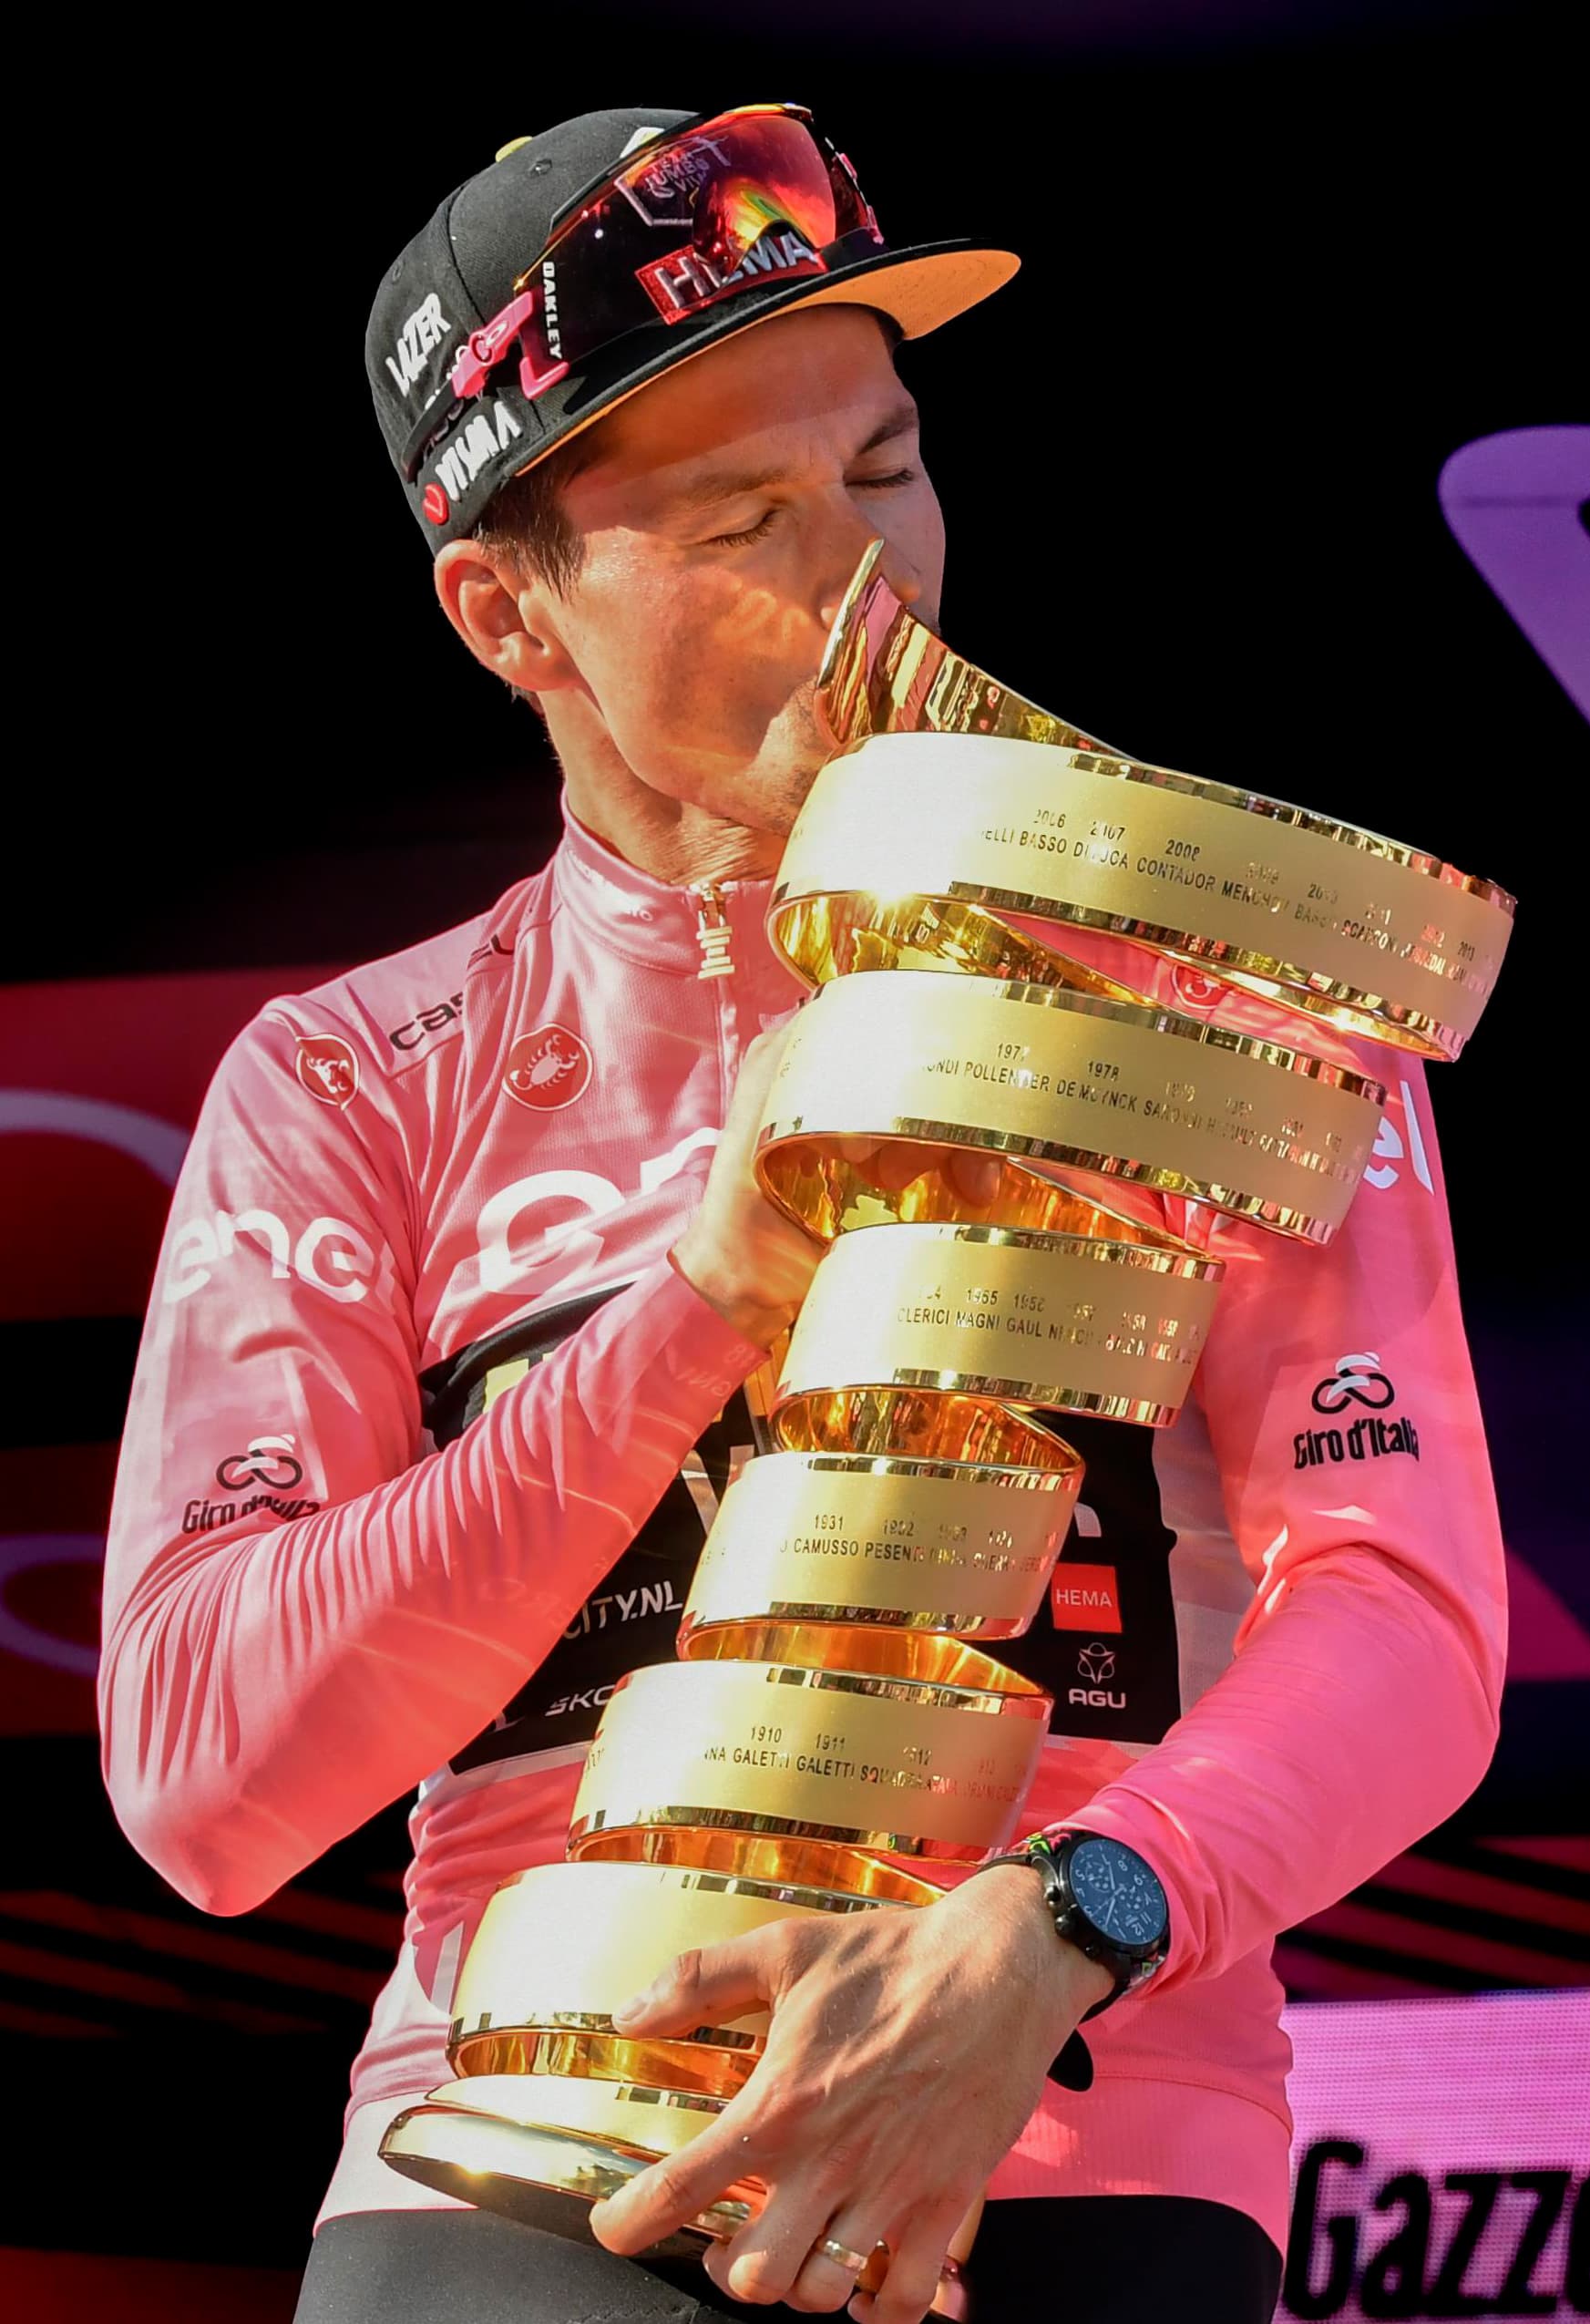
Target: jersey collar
(650, 920)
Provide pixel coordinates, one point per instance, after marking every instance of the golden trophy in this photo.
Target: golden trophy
(834, 1724)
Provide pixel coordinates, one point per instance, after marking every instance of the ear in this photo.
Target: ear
(503, 616)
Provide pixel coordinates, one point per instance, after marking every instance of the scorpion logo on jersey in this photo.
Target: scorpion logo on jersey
(328, 1069)
(548, 1068)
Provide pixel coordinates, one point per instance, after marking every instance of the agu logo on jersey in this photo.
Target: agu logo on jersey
(1096, 1664)
(328, 1069)
(548, 1068)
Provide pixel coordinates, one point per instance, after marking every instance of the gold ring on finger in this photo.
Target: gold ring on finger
(829, 2247)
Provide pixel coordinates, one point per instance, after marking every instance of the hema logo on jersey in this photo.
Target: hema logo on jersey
(1085, 1598)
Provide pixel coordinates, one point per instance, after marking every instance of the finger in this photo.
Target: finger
(758, 1066)
(896, 1162)
(916, 2263)
(972, 1177)
(826, 2281)
(661, 2199)
(773, 2251)
(975, 1176)
(704, 1987)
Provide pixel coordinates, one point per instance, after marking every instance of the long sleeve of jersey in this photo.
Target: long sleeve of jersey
(305, 1613)
(1361, 1707)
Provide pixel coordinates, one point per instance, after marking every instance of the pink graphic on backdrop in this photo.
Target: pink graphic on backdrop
(1513, 503)
(1546, 1639)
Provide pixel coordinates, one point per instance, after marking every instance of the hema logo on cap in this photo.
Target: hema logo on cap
(686, 280)
(491, 431)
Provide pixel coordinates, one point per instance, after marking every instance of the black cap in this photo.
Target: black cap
(461, 270)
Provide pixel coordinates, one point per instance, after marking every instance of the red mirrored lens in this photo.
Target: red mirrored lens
(729, 183)
(744, 200)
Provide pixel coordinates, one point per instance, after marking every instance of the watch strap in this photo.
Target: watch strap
(1074, 2068)
(1071, 1922)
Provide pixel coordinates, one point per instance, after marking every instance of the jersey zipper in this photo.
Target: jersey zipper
(712, 931)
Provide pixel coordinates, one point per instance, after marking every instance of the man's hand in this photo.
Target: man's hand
(745, 1256)
(907, 2049)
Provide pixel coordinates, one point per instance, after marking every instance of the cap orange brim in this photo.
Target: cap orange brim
(919, 289)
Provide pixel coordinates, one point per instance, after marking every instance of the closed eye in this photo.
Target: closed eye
(758, 531)
(763, 525)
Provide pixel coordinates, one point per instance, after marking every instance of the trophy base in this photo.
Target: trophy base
(517, 2169)
(513, 2167)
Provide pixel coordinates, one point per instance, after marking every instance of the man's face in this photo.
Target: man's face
(721, 514)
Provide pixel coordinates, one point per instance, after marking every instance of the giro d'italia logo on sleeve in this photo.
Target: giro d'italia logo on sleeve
(548, 1068)
(1350, 1399)
(261, 1476)
(1356, 1380)
(328, 1069)
(267, 1460)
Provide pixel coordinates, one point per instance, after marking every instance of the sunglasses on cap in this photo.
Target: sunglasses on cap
(734, 201)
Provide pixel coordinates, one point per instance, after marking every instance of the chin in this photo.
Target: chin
(784, 802)
(763, 798)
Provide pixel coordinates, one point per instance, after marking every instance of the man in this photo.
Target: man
(472, 1233)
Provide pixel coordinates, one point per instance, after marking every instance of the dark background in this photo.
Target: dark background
(1281, 261)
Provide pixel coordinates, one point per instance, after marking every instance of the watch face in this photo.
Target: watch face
(1118, 1892)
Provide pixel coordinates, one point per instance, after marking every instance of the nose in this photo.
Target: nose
(897, 568)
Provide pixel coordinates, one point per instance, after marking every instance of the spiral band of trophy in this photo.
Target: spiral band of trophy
(983, 1133)
(1377, 939)
(1142, 1095)
(901, 1544)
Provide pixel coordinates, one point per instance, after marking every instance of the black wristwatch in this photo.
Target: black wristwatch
(1105, 1900)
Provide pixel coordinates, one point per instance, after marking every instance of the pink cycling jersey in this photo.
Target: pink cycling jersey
(425, 1432)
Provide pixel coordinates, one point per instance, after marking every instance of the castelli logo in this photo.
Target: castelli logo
(436, 504)
(548, 1068)
(328, 1069)
(1193, 990)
